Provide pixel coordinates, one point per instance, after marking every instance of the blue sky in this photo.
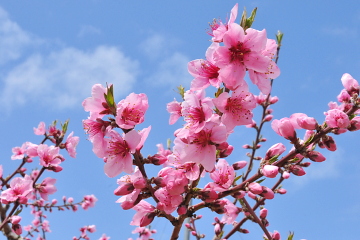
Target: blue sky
(51, 53)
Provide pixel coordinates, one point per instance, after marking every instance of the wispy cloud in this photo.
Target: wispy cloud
(13, 39)
(340, 31)
(171, 72)
(60, 78)
(64, 78)
(88, 30)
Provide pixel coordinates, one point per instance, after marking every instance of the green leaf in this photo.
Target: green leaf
(237, 178)
(291, 235)
(168, 143)
(65, 126)
(261, 180)
(251, 19)
(274, 159)
(181, 91)
(18, 211)
(218, 92)
(279, 37)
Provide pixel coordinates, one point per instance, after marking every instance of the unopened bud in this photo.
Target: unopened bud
(239, 165)
(124, 189)
(263, 213)
(147, 219)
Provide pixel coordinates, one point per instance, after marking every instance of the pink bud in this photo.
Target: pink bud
(297, 170)
(329, 143)
(275, 235)
(208, 195)
(350, 84)
(274, 99)
(270, 171)
(139, 183)
(263, 213)
(268, 118)
(147, 219)
(354, 124)
(181, 210)
(307, 123)
(124, 189)
(251, 195)
(239, 194)
(15, 219)
(194, 233)
(284, 128)
(91, 228)
(344, 97)
(286, 175)
(267, 193)
(315, 156)
(255, 188)
(17, 229)
(281, 191)
(239, 165)
(276, 149)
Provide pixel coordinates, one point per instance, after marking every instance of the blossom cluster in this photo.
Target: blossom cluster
(201, 146)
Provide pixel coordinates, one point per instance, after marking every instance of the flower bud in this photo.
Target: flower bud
(147, 219)
(239, 194)
(286, 175)
(281, 191)
(181, 209)
(267, 193)
(297, 170)
(255, 188)
(239, 165)
(263, 213)
(270, 171)
(315, 156)
(124, 189)
(276, 149)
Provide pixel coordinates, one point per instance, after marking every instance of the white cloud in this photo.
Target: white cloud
(172, 71)
(340, 31)
(88, 30)
(64, 78)
(13, 39)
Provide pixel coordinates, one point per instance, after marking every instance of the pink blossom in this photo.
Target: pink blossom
(143, 210)
(223, 176)
(241, 51)
(128, 183)
(174, 108)
(350, 84)
(167, 202)
(104, 237)
(96, 104)
(237, 109)
(46, 187)
(71, 143)
(270, 171)
(40, 130)
(218, 29)
(144, 233)
(49, 155)
(118, 153)
(131, 110)
(19, 152)
(130, 200)
(336, 118)
(200, 147)
(196, 110)
(15, 219)
(175, 180)
(88, 201)
(301, 120)
(231, 212)
(19, 189)
(205, 72)
(286, 175)
(262, 79)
